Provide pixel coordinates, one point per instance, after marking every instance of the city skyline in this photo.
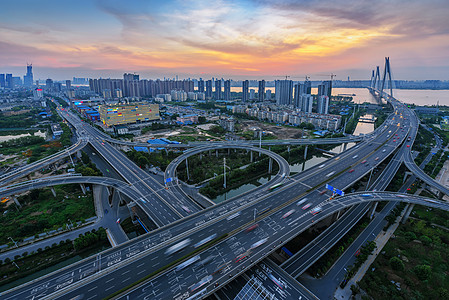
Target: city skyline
(239, 40)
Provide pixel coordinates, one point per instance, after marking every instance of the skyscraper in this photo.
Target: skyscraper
(325, 88)
(227, 90)
(307, 87)
(48, 84)
(245, 96)
(218, 89)
(252, 94)
(8, 81)
(28, 78)
(261, 91)
(68, 84)
(323, 104)
(201, 85)
(284, 92)
(2, 80)
(268, 95)
(209, 89)
(298, 88)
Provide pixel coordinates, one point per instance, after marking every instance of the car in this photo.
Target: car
(240, 257)
(401, 196)
(118, 221)
(233, 216)
(252, 227)
(306, 206)
(350, 171)
(186, 209)
(258, 243)
(287, 214)
(316, 210)
(364, 161)
(384, 150)
(408, 146)
(409, 189)
(276, 281)
(355, 156)
(377, 158)
(301, 201)
(202, 282)
(366, 195)
(394, 140)
(321, 166)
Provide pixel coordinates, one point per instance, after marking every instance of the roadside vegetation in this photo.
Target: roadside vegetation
(412, 265)
(41, 212)
(58, 254)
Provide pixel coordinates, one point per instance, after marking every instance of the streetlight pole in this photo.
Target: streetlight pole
(224, 171)
(369, 179)
(255, 212)
(15, 243)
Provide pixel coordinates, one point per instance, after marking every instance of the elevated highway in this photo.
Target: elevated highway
(381, 147)
(37, 165)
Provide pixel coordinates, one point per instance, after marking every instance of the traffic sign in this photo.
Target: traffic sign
(168, 180)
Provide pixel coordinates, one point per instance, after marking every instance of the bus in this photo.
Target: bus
(273, 187)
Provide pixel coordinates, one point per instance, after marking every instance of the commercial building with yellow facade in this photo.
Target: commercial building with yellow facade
(128, 113)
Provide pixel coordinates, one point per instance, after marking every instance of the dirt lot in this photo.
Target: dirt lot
(280, 132)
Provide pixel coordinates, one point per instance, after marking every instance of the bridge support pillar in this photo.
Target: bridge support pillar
(407, 173)
(166, 151)
(288, 148)
(305, 152)
(187, 168)
(373, 210)
(251, 153)
(78, 154)
(53, 191)
(148, 148)
(83, 188)
(201, 156)
(345, 145)
(407, 213)
(440, 195)
(216, 153)
(229, 151)
(16, 202)
(270, 165)
(269, 148)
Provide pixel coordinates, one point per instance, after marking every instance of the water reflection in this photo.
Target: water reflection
(297, 167)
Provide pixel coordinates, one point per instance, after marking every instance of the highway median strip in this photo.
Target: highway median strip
(168, 266)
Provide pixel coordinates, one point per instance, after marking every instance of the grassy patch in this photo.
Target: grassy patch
(41, 212)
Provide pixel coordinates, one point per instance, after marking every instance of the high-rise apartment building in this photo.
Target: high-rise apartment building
(2, 81)
(261, 91)
(268, 95)
(8, 81)
(201, 85)
(284, 92)
(325, 88)
(28, 78)
(218, 89)
(245, 95)
(252, 94)
(323, 105)
(48, 84)
(227, 90)
(68, 84)
(209, 89)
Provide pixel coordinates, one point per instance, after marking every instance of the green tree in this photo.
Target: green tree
(396, 264)
(423, 272)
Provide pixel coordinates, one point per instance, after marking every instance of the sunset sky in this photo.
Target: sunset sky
(230, 39)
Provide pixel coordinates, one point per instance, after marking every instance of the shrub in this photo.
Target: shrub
(396, 263)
